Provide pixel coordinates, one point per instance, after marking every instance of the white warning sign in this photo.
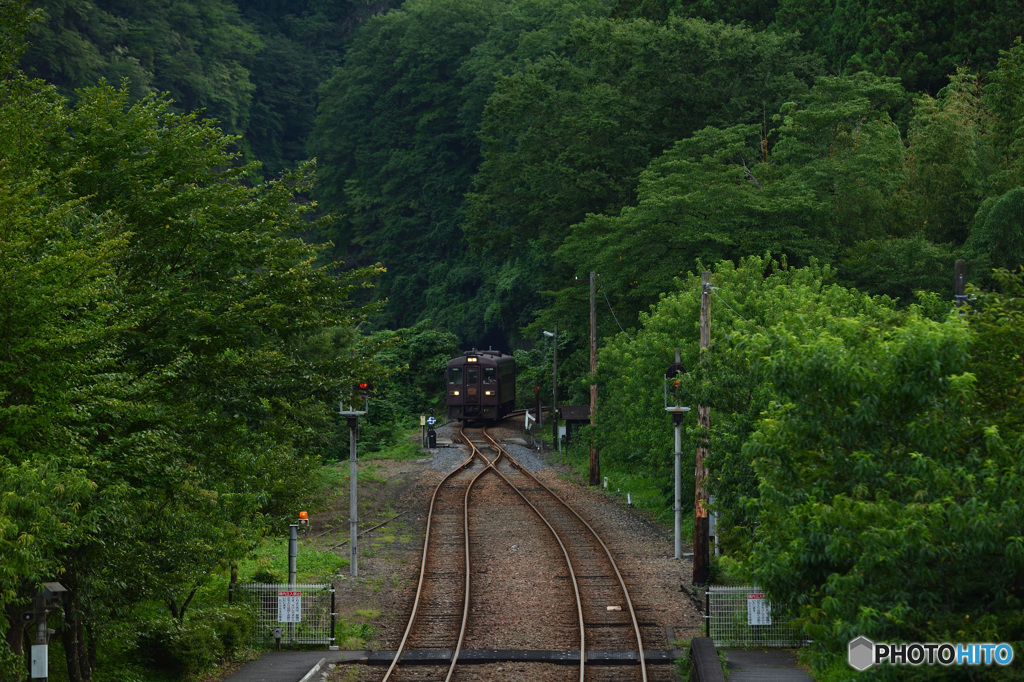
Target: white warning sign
(289, 606)
(759, 611)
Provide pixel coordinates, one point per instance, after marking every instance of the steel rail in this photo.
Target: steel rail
(465, 535)
(565, 552)
(622, 583)
(423, 562)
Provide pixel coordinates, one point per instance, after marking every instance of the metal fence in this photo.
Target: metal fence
(294, 614)
(742, 617)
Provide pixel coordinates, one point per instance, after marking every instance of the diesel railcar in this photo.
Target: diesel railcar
(481, 384)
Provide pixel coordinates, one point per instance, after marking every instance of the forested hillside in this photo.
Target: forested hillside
(174, 320)
(464, 144)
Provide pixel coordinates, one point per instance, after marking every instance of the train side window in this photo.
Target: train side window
(489, 375)
(455, 376)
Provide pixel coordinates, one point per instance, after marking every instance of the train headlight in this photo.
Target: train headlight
(455, 392)
(488, 392)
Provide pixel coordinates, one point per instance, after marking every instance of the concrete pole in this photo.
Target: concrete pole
(40, 652)
(293, 552)
(677, 419)
(554, 392)
(353, 521)
(293, 555)
(595, 462)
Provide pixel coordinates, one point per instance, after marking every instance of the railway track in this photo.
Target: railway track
(507, 565)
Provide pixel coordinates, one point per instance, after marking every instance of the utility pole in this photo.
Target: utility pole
(701, 560)
(360, 390)
(353, 508)
(554, 390)
(595, 463)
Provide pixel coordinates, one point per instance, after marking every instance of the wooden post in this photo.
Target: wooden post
(701, 560)
(595, 463)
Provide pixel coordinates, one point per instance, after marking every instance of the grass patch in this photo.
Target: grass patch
(270, 560)
(626, 484)
(405, 449)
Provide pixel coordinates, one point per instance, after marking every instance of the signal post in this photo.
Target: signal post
(673, 377)
(361, 391)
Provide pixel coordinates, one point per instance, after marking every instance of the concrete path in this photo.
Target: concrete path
(290, 666)
(764, 665)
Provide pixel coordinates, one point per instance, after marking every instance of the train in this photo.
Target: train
(480, 384)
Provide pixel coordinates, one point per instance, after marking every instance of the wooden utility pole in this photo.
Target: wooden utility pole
(701, 560)
(595, 464)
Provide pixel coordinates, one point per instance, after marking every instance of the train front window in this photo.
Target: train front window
(489, 375)
(455, 376)
(471, 376)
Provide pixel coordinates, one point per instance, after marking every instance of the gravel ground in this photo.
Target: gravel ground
(390, 557)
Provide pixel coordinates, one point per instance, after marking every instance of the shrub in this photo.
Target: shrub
(233, 625)
(180, 647)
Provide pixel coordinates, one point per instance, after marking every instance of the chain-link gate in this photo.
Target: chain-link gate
(294, 614)
(742, 617)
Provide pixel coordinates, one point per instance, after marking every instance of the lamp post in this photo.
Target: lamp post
(554, 387)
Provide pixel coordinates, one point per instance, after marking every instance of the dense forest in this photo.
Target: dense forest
(217, 212)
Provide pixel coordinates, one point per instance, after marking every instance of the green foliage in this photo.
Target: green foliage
(952, 159)
(571, 132)
(159, 404)
(414, 361)
(196, 50)
(634, 430)
(394, 154)
(887, 480)
(396, 135)
(898, 267)
(181, 647)
(919, 41)
(999, 230)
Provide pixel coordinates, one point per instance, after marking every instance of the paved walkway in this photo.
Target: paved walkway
(764, 665)
(288, 666)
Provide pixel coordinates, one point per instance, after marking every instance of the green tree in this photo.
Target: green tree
(889, 489)
(571, 133)
(920, 42)
(173, 301)
(199, 51)
(58, 292)
(951, 159)
(999, 230)
(1003, 95)
(754, 300)
(395, 156)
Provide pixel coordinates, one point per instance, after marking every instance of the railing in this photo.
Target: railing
(742, 617)
(291, 614)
